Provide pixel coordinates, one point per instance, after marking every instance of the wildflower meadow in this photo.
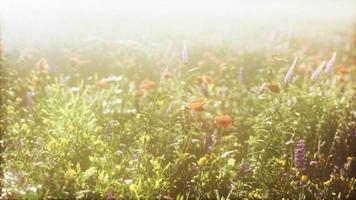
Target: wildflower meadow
(185, 118)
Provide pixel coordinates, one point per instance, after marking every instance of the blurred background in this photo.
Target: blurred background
(42, 22)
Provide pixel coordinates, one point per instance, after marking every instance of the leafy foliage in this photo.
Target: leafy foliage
(111, 124)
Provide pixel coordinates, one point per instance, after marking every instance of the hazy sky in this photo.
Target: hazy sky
(28, 18)
(61, 8)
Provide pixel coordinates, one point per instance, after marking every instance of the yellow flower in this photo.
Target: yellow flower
(70, 173)
(202, 161)
(349, 158)
(304, 178)
(281, 162)
(327, 183)
(53, 145)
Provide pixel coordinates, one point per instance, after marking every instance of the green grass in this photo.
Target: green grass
(76, 133)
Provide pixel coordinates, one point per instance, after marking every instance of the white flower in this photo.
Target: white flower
(74, 89)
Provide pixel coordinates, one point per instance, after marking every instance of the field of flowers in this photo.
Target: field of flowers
(130, 120)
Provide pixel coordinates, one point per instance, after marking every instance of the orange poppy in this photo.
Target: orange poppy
(75, 62)
(147, 84)
(138, 93)
(202, 63)
(303, 69)
(223, 121)
(42, 65)
(102, 84)
(205, 80)
(273, 87)
(27, 53)
(166, 73)
(222, 67)
(34, 83)
(197, 105)
(342, 70)
(182, 65)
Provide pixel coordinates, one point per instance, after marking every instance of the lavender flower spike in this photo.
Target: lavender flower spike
(29, 99)
(185, 53)
(317, 72)
(289, 76)
(330, 64)
(299, 155)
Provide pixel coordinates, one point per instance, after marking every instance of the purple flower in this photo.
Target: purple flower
(185, 53)
(330, 64)
(317, 72)
(108, 128)
(289, 75)
(109, 195)
(245, 167)
(53, 69)
(29, 99)
(20, 143)
(299, 155)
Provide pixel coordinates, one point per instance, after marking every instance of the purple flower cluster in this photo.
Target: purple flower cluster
(317, 72)
(289, 76)
(299, 155)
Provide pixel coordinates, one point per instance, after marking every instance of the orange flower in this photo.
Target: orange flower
(303, 69)
(166, 73)
(342, 70)
(197, 105)
(42, 65)
(205, 80)
(202, 63)
(34, 83)
(273, 87)
(27, 53)
(75, 62)
(223, 121)
(182, 65)
(147, 84)
(138, 93)
(102, 84)
(222, 67)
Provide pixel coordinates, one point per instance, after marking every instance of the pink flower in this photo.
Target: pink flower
(330, 64)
